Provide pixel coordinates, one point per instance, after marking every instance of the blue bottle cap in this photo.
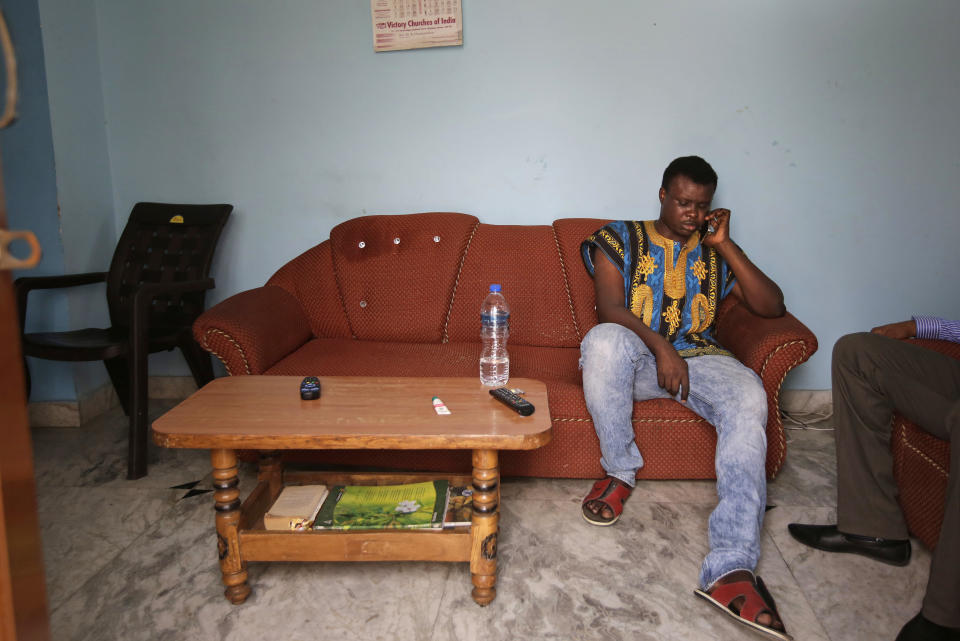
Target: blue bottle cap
(495, 287)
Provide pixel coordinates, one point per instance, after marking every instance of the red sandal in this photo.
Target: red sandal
(610, 491)
(757, 600)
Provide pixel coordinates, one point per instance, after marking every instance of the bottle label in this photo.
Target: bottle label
(495, 320)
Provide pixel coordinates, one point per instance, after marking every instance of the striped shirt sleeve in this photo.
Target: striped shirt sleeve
(937, 328)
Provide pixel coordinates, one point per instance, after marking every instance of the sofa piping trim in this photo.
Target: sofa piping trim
(636, 420)
(566, 283)
(343, 302)
(776, 395)
(456, 281)
(934, 464)
(243, 355)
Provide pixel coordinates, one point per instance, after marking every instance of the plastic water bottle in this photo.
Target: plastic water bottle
(494, 331)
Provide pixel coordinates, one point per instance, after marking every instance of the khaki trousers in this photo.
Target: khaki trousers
(872, 375)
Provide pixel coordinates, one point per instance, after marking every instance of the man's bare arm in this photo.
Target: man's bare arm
(759, 293)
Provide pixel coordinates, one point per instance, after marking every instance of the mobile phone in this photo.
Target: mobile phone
(705, 228)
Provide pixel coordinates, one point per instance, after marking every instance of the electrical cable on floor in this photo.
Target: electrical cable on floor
(805, 420)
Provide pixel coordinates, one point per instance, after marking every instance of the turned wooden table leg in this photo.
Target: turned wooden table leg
(227, 497)
(485, 525)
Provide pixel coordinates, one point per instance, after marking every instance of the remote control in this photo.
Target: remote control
(518, 404)
(310, 388)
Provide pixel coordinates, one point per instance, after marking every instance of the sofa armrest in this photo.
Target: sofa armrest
(759, 342)
(771, 347)
(944, 347)
(252, 330)
(921, 465)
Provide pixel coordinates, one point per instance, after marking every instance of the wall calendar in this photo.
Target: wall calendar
(416, 24)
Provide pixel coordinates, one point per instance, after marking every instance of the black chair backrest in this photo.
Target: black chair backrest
(164, 243)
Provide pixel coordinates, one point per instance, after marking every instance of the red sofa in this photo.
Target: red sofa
(921, 465)
(400, 296)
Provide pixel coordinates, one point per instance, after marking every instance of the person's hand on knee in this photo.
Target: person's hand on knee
(673, 374)
(903, 329)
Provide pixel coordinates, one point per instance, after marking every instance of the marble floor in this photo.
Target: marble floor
(137, 560)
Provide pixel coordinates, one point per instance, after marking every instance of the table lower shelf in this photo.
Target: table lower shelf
(241, 536)
(428, 544)
(362, 545)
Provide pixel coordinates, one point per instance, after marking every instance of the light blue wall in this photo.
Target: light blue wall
(29, 178)
(832, 126)
(83, 167)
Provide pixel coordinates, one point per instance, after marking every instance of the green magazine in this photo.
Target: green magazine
(376, 507)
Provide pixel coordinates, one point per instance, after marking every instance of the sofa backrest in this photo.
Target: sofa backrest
(309, 278)
(571, 232)
(523, 259)
(422, 278)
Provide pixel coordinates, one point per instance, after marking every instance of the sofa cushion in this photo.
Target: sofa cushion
(524, 260)
(571, 232)
(396, 274)
(675, 442)
(347, 357)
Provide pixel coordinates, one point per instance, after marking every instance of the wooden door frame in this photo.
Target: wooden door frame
(23, 598)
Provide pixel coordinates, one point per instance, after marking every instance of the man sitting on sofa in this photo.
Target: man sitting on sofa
(873, 374)
(658, 284)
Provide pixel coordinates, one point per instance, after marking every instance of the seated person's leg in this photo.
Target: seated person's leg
(870, 520)
(612, 357)
(732, 398)
(872, 375)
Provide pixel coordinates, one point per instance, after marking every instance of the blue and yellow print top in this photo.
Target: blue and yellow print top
(673, 287)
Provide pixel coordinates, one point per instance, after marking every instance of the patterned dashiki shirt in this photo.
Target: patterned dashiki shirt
(673, 287)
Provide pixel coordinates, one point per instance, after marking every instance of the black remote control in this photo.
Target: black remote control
(518, 404)
(310, 388)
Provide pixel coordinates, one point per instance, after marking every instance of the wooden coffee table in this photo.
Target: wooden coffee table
(266, 413)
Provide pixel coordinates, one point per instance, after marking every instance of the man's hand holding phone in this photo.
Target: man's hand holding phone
(719, 220)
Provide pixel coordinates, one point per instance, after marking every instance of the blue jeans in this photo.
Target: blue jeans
(619, 369)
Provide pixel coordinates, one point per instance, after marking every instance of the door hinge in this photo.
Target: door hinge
(8, 260)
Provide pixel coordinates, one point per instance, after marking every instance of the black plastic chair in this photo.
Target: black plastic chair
(155, 290)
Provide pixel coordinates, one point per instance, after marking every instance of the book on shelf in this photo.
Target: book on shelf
(459, 509)
(295, 508)
(376, 507)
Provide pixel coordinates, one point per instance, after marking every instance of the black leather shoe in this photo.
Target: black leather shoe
(919, 628)
(830, 539)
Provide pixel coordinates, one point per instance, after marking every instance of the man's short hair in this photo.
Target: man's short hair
(693, 167)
